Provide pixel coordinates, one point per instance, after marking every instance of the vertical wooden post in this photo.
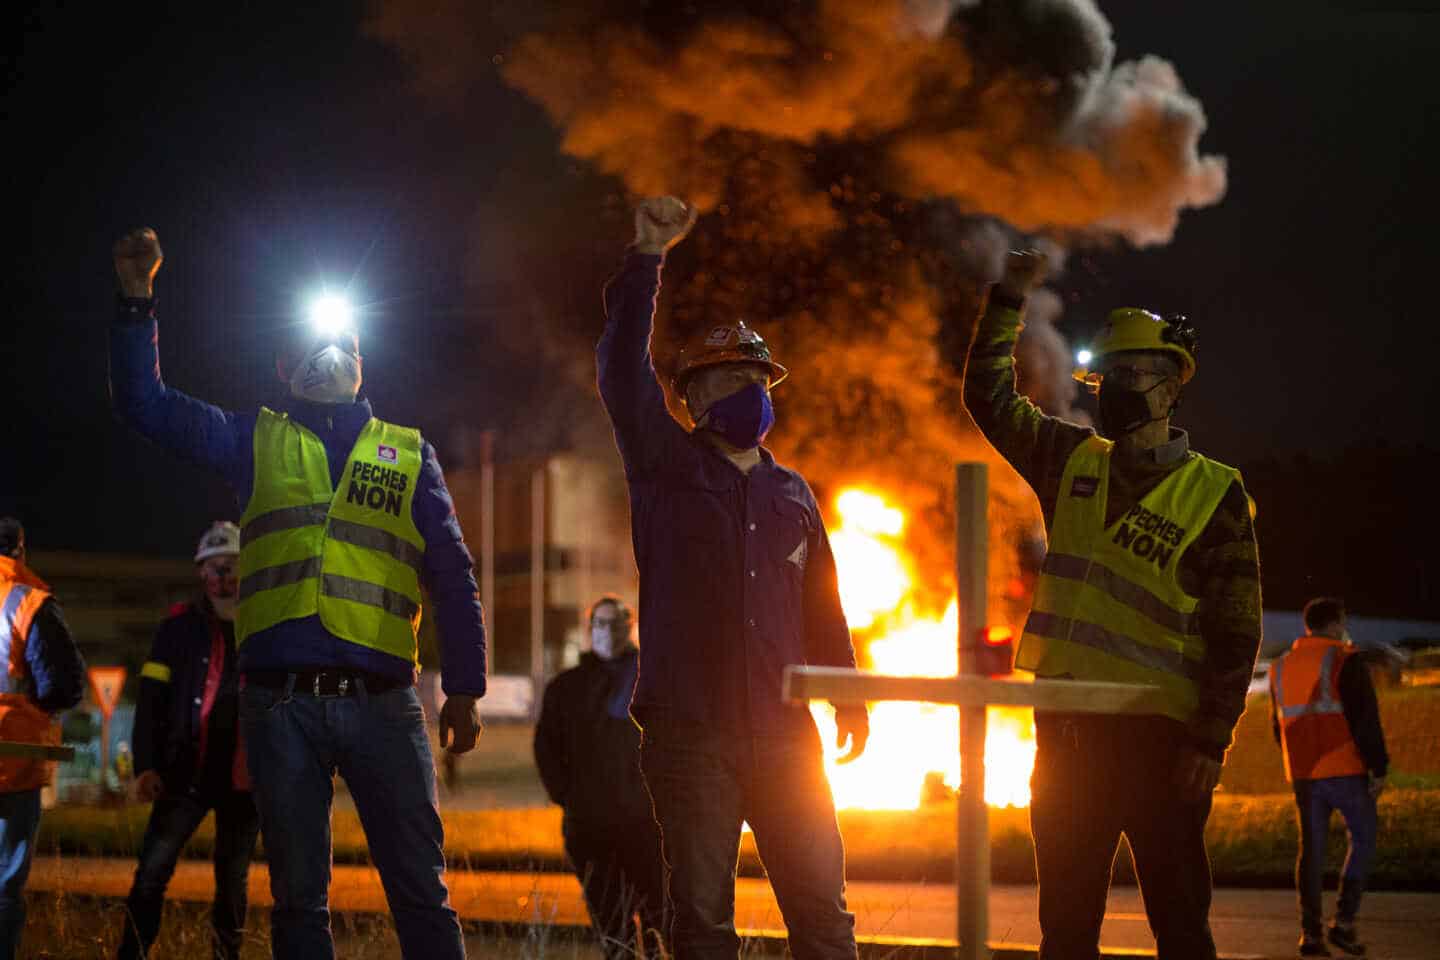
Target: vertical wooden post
(972, 840)
(537, 588)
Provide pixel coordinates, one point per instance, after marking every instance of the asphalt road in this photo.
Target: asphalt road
(1255, 923)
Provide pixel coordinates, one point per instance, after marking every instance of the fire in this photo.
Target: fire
(909, 742)
(873, 578)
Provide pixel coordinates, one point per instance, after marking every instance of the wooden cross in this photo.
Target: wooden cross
(972, 693)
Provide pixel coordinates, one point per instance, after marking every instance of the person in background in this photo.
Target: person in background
(1327, 721)
(588, 752)
(46, 675)
(188, 756)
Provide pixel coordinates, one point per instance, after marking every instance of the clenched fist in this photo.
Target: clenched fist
(460, 724)
(137, 260)
(1024, 269)
(662, 222)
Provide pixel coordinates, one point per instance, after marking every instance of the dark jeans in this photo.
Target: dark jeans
(173, 821)
(19, 823)
(704, 786)
(622, 873)
(1096, 778)
(1315, 800)
(297, 742)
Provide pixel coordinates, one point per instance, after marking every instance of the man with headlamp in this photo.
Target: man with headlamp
(345, 518)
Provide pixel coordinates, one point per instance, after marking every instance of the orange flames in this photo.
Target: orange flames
(909, 741)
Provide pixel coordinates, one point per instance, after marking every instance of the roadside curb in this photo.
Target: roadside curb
(775, 942)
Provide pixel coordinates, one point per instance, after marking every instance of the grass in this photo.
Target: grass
(78, 927)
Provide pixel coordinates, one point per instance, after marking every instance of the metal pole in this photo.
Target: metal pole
(537, 588)
(972, 838)
(487, 531)
(104, 752)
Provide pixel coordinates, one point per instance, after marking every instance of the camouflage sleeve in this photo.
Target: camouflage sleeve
(1034, 443)
(1228, 568)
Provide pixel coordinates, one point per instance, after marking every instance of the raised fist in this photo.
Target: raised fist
(1024, 269)
(661, 222)
(137, 259)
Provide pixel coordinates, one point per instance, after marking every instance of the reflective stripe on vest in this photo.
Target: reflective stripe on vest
(1108, 604)
(1324, 701)
(350, 553)
(15, 619)
(1315, 737)
(1126, 591)
(1096, 637)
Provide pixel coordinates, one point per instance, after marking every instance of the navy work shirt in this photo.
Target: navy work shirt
(737, 579)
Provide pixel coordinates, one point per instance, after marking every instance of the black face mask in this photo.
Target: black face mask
(1124, 410)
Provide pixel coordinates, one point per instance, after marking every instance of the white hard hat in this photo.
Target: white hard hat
(223, 538)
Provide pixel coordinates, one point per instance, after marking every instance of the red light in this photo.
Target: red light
(997, 636)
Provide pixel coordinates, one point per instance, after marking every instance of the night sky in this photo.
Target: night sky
(275, 149)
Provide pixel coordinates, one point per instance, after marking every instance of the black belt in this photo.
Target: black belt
(325, 683)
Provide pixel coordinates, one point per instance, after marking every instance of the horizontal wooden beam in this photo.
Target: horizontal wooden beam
(841, 685)
(36, 751)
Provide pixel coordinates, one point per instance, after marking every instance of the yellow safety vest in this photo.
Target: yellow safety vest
(350, 553)
(1108, 604)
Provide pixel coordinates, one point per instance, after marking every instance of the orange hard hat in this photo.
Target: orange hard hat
(725, 343)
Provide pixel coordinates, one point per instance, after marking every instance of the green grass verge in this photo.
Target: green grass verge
(1252, 840)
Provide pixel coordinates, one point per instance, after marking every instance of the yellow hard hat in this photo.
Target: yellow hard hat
(1131, 328)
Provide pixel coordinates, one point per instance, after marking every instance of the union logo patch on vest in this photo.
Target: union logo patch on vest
(388, 454)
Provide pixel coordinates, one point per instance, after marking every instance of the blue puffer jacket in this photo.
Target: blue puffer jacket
(222, 441)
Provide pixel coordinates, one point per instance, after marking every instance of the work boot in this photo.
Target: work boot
(1343, 937)
(1313, 945)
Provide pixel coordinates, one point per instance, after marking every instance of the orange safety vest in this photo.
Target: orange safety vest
(1314, 735)
(21, 719)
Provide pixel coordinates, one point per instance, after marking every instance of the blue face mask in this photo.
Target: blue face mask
(743, 418)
